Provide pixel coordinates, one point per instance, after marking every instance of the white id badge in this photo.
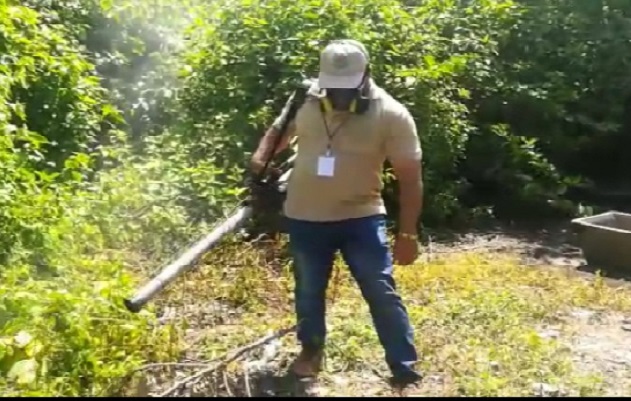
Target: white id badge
(326, 166)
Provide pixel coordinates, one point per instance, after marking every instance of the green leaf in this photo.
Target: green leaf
(23, 372)
(22, 339)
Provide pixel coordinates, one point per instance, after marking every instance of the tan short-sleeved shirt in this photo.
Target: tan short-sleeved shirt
(359, 146)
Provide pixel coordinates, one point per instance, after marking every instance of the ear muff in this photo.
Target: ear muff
(325, 104)
(362, 101)
(353, 106)
(359, 105)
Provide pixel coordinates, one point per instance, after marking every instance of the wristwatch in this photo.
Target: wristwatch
(408, 236)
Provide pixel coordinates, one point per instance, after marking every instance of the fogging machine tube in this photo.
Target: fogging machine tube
(172, 271)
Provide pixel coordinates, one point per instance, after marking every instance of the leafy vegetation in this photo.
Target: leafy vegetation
(125, 127)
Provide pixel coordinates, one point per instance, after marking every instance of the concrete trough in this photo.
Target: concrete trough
(605, 240)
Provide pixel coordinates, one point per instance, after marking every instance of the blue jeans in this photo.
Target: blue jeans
(364, 248)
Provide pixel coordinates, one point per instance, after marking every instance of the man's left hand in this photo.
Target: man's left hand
(405, 250)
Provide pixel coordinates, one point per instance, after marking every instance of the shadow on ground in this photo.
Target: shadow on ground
(612, 274)
(271, 384)
(548, 243)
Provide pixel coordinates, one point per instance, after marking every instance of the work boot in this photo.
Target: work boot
(406, 385)
(308, 363)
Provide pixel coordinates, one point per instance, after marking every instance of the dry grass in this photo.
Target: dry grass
(478, 319)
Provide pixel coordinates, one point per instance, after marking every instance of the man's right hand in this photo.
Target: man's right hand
(266, 150)
(269, 146)
(256, 166)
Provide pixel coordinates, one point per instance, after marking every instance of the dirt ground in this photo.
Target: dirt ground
(600, 342)
(549, 244)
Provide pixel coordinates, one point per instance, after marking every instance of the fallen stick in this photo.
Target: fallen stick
(226, 385)
(228, 358)
(248, 392)
(171, 364)
(127, 378)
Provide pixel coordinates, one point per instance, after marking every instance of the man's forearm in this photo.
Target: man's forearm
(265, 149)
(410, 204)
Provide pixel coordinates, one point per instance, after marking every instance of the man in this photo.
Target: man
(334, 202)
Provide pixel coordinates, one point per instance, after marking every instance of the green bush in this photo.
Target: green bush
(431, 57)
(561, 77)
(64, 330)
(48, 86)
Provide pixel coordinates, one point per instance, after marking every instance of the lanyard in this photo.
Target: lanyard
(330, 134)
